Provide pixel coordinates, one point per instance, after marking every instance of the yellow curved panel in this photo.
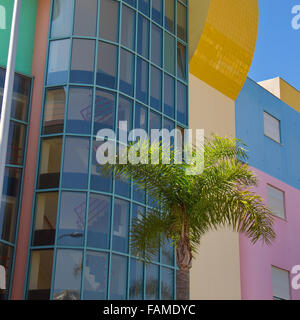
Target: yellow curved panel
(226, 47)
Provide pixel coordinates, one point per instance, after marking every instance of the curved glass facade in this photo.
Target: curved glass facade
(13, 180)
(108, 61)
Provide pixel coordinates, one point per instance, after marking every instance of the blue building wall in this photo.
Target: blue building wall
(277, 160)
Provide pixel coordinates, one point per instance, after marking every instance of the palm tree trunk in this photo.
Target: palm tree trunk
(183, 285)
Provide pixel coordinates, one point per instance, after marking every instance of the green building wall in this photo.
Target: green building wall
(26, 33)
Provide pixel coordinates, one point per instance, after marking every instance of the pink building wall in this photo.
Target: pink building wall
(257, 260)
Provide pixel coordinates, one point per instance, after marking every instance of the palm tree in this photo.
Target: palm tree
(191, 205)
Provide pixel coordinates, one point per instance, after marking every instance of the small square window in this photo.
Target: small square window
(281, 284)
(272, 127)
(276, 202)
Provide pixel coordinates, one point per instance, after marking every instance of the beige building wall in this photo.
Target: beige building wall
(216, 268)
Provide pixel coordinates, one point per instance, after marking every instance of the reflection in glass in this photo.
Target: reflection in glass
(68, 274)
(167, 284)
(5, 270)
(16, 142)
(98, 221)
(169, 53)
(169, 96)
(108, 26)
(95, 276)
(99, 180)
(107, 65)
(120, 226)
(142, 80)
(50, 162)
(62, 18)
(72, 219)
(79, 110)
(126, 72)
(157, 9)
(181, 21)
(128, 27)
(75, 171)
(143, 36)
(85, 19)
(54, 111)
(167, 253)
(104, 110)
(136, 280)
(118, 278)
(40, 275)
(182, 100)
(156, 88)
(181, 59)
(144, 6)
(169, 15)
(82, 62)
(9, 203)
(152, 276)
(58, 64)
(45, 218)
(156, 45)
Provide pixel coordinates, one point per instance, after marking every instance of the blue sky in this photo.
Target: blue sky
(278, 44)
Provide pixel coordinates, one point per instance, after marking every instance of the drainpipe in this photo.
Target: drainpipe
(8, 91)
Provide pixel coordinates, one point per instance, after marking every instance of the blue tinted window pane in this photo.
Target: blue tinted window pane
(138, 194)
(156, 45)
(144, 6)
(156, 88)
(157, 11)
(136, 280)
(58, 65)
(79, 110)
(141, 117)
(68, 274)
(62, 18)
(98, 221)
(167, 284)
(108, 20)
(143, 36)
(181, 61)
(99, 180)
(120, 226)
(75, 172)
(169, 53)
(72, 219)
(95, 276)
(167, 253)
(82, 70)
(118, 278)
(126, 72)
(131, 2)
(128, 27)
(169, 96)
(142, 77)
(155, 121)
(152, 276)
(104, 110)
(182, 103)
(106, 67)
(170, 126)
